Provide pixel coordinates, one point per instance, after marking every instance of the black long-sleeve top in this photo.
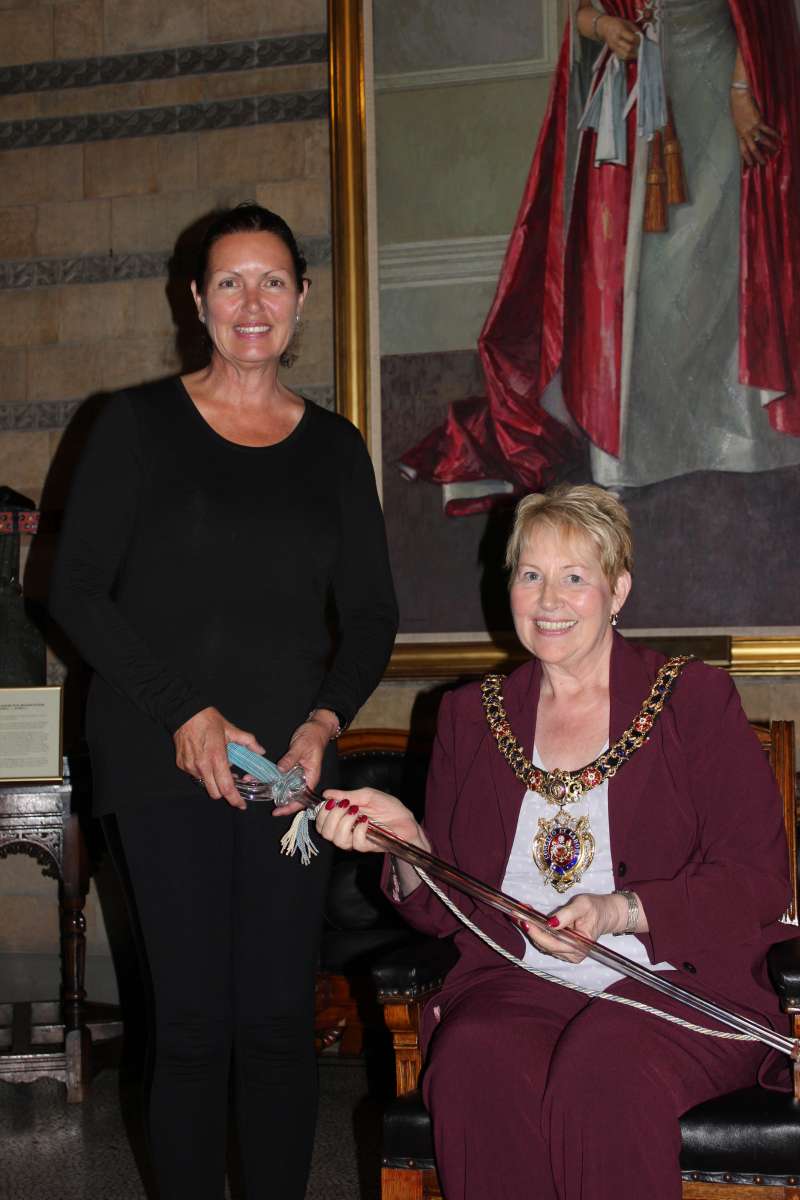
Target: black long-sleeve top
(192, 571)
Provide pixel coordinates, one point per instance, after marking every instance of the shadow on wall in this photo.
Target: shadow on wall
(491, 559)
(191, 340)
(192, 352)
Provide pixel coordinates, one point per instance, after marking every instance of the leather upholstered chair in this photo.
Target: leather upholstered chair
(742, 1146)
(360, 923)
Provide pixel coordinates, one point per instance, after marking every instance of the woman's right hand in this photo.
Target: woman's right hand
(344, 815)
(200, 750)
(621, 36)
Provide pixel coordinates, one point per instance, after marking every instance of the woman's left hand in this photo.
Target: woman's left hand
(757, 140)
(589, 914)
(306, 748)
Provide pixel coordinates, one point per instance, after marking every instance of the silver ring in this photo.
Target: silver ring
(756, 136)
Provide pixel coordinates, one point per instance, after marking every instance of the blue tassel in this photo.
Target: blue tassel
(651, 111)
(286, 786)
(297, 838)
(253, 764)
(605, 112)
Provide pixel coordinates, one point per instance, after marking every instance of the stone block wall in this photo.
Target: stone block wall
(120, 125)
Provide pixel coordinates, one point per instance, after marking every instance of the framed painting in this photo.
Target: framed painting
(435, 109)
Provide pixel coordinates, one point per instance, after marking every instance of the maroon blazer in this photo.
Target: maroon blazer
(695, 818)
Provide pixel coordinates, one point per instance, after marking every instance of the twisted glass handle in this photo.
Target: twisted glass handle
(268, 783)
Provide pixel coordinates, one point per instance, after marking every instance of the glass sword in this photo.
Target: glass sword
(270, 784)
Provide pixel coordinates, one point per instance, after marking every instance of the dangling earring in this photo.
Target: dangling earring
(615, 619)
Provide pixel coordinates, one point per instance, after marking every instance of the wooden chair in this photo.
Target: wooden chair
(741, 1146)
(360, 923)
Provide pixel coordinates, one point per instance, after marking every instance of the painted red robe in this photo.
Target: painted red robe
(528, 333)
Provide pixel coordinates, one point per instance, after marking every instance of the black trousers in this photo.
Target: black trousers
(231, 936)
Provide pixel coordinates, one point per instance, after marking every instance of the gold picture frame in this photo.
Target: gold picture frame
(350, 103)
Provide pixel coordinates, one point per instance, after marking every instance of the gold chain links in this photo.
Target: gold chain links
(564, 787)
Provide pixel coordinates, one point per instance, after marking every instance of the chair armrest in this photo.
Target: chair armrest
(413, 969)
(783, 961)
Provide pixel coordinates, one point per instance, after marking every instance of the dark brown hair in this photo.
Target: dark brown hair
(247, 218)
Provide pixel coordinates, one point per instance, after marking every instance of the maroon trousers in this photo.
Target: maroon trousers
(539, 1093)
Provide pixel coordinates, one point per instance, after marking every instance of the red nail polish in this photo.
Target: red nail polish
(352, 810)
(343, 804)
(361, 818)
(553, 922)
(329, 804)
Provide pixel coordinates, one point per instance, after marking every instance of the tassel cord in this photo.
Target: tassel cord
(576, 987)
(511, 907)
(297, 838)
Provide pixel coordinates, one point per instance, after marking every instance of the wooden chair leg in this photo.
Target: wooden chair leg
(78, 1055)
(401, 1185)
(77, 1038)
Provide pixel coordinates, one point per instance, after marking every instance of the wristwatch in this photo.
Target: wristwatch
(633, 912)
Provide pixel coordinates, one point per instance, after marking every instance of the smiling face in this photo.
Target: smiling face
(250, 301)
(561, 601)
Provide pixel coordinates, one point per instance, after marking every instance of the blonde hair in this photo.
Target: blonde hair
(582, 509)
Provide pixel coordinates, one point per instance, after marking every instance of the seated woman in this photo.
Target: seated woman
(673, 846)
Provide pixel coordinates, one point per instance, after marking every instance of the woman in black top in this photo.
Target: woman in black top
(212, 521)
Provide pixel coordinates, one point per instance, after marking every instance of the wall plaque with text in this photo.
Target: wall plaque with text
(30, 734)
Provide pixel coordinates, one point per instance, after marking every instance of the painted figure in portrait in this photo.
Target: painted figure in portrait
(648, 302)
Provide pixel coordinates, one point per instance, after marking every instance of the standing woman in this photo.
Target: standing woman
(215, 523)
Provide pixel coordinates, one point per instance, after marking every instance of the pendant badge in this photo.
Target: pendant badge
(563, 849)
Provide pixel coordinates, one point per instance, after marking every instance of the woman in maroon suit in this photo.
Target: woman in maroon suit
(628, 797)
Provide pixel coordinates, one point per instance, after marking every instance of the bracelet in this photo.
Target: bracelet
(740, 85)
(597, 17)
(633, 913)
(338, 731)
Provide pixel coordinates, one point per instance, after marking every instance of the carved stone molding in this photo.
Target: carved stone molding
(37, 416)
(164, 64)
(89, 268)
(175, 118)
(116, 268)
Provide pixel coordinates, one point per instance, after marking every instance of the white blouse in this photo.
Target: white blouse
(523, 881)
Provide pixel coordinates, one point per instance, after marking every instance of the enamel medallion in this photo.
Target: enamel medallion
(563, 849)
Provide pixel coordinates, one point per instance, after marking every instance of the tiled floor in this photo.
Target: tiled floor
(53, 1151)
